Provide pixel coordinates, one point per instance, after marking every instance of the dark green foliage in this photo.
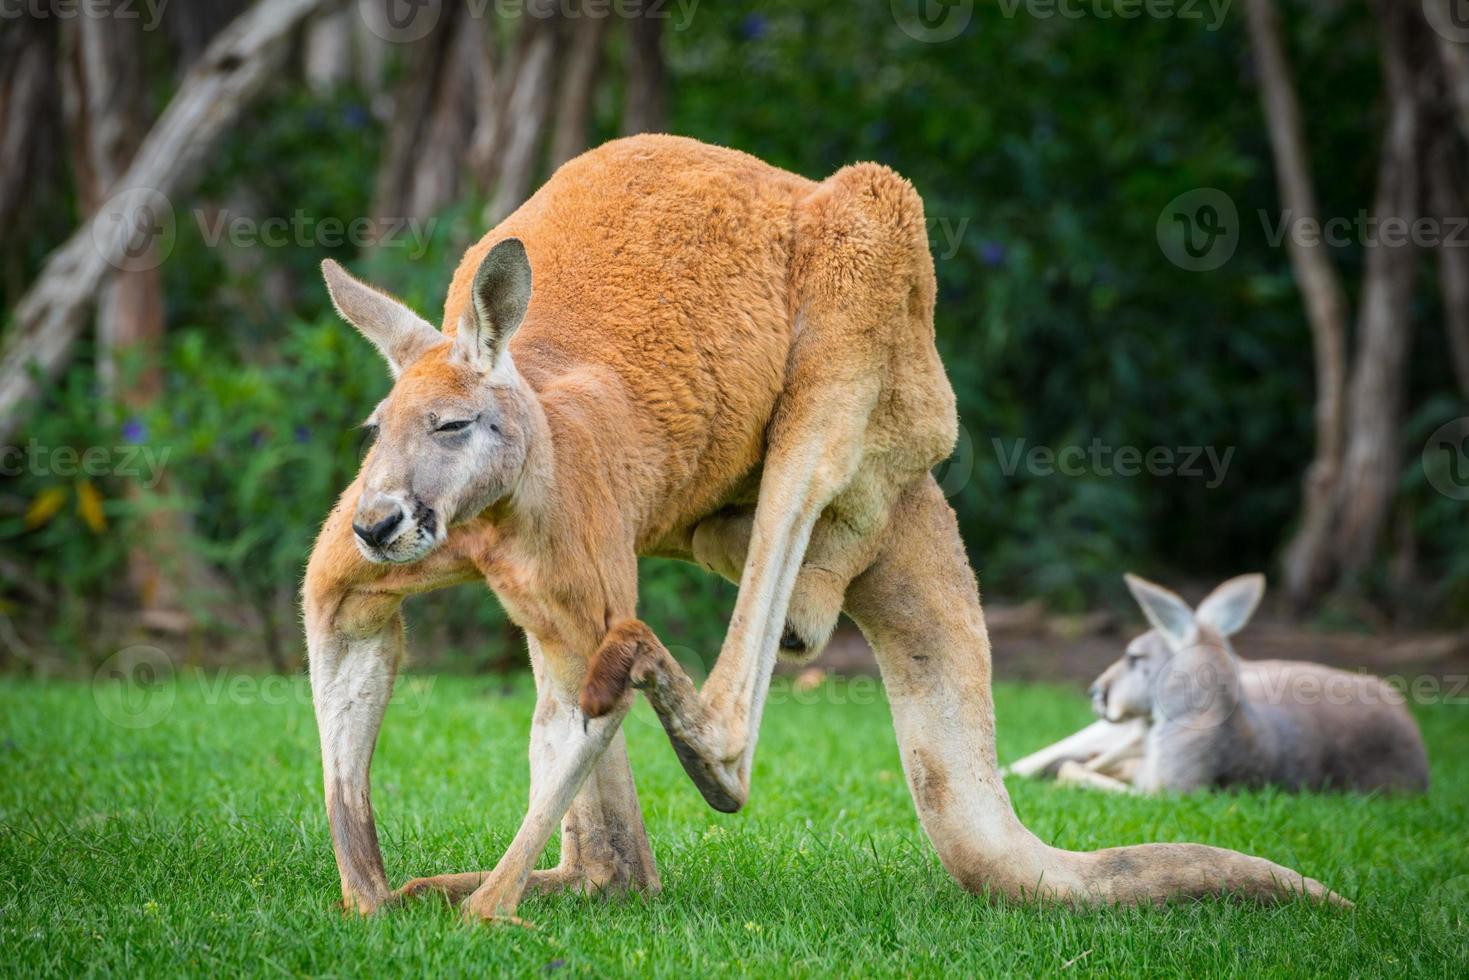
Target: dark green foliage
(1046, 149)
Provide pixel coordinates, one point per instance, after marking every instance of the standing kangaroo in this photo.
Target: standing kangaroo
(675, 349)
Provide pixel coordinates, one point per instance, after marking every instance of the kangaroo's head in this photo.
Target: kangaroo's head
(1152, 669)
(453, 434)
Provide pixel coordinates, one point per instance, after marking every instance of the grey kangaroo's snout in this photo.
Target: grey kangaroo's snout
(376, 523)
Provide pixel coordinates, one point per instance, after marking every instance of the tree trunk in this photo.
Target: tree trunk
(1446, 193)
(1306, 562)
(50, 315)
(524, 113)
(106, 115)
(1453, 57)
(326, 55)
(1373, 452)
(578, 82)
(433, 119)
(27, 84)
(644, 111)
(106, 118)
(193, 25)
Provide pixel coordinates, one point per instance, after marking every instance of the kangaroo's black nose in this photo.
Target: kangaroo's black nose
(379, 532)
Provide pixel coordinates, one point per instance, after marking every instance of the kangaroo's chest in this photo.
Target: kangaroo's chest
(548, 599)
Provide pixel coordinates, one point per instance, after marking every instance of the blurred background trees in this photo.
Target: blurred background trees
(1048, 149)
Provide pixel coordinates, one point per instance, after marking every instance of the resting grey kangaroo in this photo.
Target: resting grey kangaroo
(1182, 711)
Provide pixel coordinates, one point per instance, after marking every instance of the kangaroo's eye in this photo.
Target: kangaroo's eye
(455, 426)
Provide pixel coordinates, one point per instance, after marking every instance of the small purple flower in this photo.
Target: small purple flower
(134, 431)
(301, 434)
(257, 438)
(753, 27)
(992, 254)
(355, 116)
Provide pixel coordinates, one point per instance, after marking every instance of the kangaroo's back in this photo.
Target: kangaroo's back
(663, 261)
(1332, 729)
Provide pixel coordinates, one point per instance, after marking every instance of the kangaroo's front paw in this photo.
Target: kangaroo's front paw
(611, 667)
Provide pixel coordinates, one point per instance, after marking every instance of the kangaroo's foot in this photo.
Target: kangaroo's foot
(633, 656)
(455, 888)
(697, 738)
(1073, 773)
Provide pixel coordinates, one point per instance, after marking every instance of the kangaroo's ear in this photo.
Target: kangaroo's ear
(1229, 607)
(395, 330)
(1167, 613)
(499, 296)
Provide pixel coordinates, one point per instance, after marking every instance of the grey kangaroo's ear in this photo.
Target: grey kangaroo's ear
(1229, 607)
(499, 296)
(395, 330)
(1167, 613)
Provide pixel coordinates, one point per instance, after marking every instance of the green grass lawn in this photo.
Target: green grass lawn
(198, 845)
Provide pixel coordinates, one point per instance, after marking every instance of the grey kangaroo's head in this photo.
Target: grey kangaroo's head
(453, 434)
(1130, 687)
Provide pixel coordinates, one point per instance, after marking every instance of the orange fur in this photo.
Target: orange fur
(702, 326)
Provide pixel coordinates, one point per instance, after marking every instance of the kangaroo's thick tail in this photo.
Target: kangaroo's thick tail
(918, 604)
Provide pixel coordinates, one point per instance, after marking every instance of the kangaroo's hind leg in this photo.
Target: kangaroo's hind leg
(866, 410)
(919, 607)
